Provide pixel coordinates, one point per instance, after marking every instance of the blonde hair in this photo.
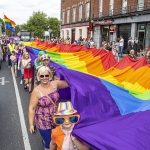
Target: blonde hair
(132, 51)
(43, 69)
(23, 57)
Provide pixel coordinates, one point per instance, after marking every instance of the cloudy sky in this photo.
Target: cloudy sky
(20, 10)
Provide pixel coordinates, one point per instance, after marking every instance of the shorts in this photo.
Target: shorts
(14, 63)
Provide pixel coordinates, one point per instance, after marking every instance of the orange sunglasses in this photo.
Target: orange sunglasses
(71, 118)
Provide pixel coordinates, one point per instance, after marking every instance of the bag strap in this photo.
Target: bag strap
(47, 96)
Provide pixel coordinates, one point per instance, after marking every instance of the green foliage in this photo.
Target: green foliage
(39, 22)
(3, 25)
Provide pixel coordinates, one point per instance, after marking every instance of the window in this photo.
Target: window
(87, 14)
(74, 15)
(62, 33)
(124, 6)
(68, 15)
(140, 5)
(111, 7)
(80, 12)
(80, 32)
(100, 7)
(63, 17)
(67, 32)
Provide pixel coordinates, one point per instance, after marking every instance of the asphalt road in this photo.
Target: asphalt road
(11, 134)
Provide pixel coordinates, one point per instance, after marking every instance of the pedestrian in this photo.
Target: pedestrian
(130, 45)
(62, 138)
(37, 61)
(132, 55)
(148, 57)
(136, 45)
(121, 45)
(91, 43)
(117, 45)
(28, 72)
(11, 47)
(115, 54)
(14, 63)
(45, 59)
(43, 104)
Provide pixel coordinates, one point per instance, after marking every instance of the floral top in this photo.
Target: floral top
(45, 110)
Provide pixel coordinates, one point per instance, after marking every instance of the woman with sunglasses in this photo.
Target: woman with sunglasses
(28, 72)
(43, 103)
(65, 119)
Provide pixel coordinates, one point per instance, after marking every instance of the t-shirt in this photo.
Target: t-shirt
(37, 63)
(121, 42)
(58, 137)
(13, 58)
(26, 61)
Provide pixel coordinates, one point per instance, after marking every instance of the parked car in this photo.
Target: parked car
(1, 58)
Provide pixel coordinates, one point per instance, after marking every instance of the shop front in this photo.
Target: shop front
(124, 30)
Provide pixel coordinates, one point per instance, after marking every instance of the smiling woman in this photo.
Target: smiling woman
(43, 104)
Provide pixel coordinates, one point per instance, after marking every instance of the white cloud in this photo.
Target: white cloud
(20, 10)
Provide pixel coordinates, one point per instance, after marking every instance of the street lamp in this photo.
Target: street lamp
(0, 28)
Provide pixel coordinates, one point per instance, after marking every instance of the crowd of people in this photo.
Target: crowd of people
(54, 119)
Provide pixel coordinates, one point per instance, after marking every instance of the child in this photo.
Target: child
(62, 139)
(115, 54)
(14, 62)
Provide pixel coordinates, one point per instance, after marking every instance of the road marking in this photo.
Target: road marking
(21, 116)
(3, 81)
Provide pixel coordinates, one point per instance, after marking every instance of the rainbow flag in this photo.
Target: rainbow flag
(112, 98)
(9, 24)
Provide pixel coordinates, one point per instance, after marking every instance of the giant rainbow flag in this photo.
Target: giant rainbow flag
(112, 98)
(9, 24)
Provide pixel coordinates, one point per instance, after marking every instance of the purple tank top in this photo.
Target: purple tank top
(44, 110)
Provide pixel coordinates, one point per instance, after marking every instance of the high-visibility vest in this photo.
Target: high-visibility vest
(11, 47)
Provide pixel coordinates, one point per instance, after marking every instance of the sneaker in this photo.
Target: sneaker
(27, 85)
(21, 82)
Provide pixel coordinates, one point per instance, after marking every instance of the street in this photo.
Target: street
(14, 133)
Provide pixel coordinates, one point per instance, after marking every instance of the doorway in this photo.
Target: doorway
(72, 35)
(141, 35)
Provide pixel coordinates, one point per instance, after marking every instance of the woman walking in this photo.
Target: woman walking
(43, 103)
(28, 72)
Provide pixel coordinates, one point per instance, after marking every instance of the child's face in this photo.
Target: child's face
(67, 124)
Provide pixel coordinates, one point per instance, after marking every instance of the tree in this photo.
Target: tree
(3, 25)
(39, 22)
(54, 24)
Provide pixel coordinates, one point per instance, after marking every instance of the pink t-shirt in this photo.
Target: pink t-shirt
(13, 58)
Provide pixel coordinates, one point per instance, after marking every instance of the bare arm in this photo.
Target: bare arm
(32, 106)
(53, 146)
(78, 144)
(61, 84)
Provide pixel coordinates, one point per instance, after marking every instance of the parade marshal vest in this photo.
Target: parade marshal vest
(11, 47)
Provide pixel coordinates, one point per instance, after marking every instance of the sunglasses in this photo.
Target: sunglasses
(46, 60)
(46, 76)
(58, 120)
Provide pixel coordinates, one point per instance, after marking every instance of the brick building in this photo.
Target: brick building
(75, 19)
(113, 18)
(110, 18)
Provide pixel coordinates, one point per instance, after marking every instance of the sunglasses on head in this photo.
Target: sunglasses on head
(61, 119)
(46, 76)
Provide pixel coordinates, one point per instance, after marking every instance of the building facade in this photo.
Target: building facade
(129, 18)
(75, 19)
(109, 19)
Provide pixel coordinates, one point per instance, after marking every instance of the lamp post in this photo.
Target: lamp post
(0, 28)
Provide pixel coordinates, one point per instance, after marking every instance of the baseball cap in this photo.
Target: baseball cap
(45, 56)
(41, 53)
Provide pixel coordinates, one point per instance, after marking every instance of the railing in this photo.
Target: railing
(124, 10)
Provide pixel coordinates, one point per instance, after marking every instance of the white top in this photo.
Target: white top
(26, 61)
(121, 42)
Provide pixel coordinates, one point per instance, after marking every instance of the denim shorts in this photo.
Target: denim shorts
(14, 63)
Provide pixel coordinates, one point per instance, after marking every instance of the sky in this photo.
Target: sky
(20, 10)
